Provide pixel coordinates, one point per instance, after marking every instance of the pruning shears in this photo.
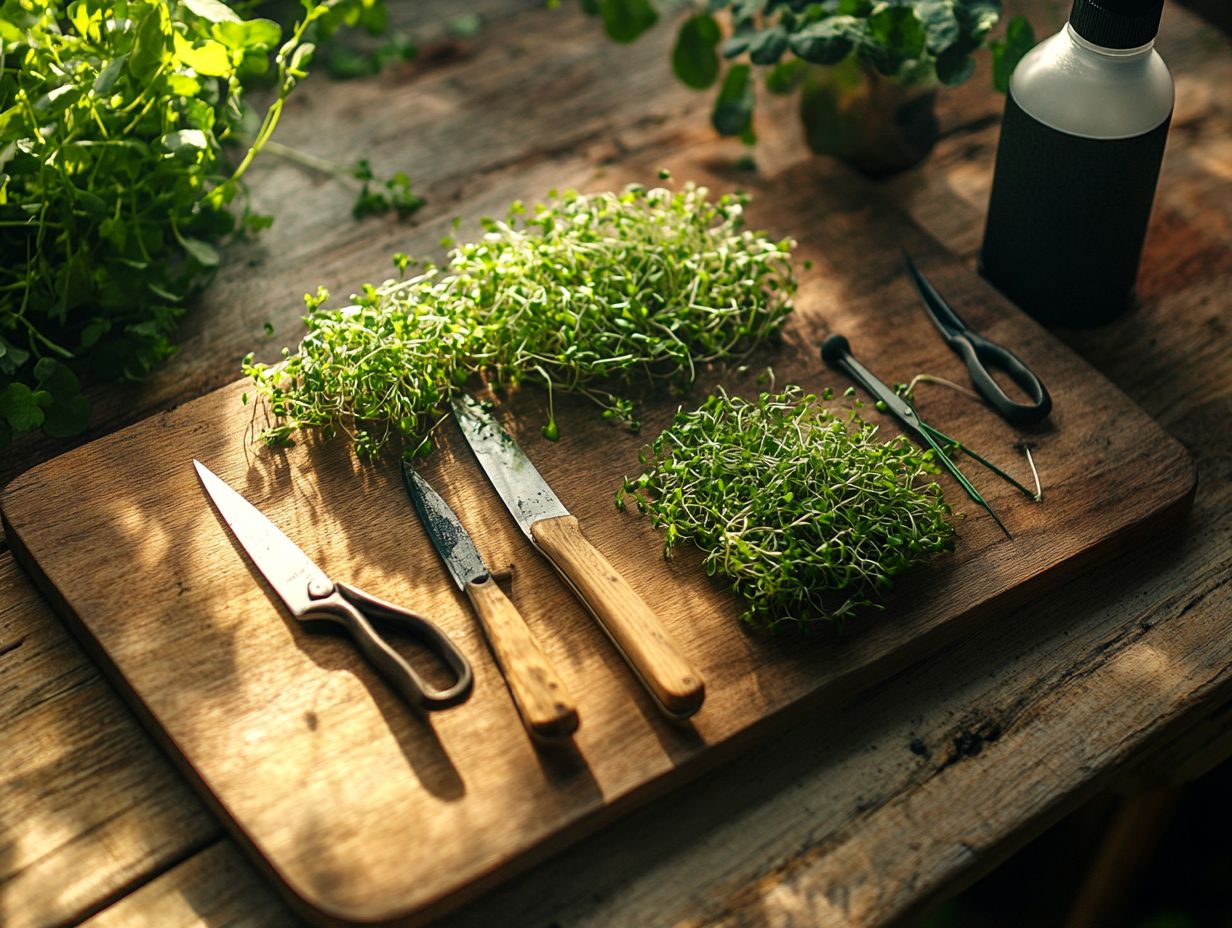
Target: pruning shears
(979, 354)
(836, 351)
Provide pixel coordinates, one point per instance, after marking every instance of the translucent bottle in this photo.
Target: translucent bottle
(1086, 118)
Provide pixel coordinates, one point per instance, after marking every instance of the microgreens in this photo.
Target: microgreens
(807, 513)
(587, 293)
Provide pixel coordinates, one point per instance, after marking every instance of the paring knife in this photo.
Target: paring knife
(547, 709)
(631, 624)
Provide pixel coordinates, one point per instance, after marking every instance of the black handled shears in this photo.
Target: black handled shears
(979, 354)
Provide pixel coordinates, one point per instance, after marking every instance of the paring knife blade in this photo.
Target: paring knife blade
(631, 624)
(542, 699)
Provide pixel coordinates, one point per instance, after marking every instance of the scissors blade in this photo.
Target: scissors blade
(944, 318)
(448, 537)
(288, 569)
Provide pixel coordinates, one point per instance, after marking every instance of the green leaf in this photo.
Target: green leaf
(183, 85)
(827, 42)
(737, 45)
(150, 47)
(626, 20)
(977, 17)
(1007, 52)
(93, 331)
(211, 10)
(11, 123)
(767, 46)
(695, 59)
(20, 408)
(733, 109)
(190, 141)
(895, 36)
(940, 23)
(91, 203)
(253, 35)
(209, 58)
(203, 253)
(11, 357)
(785, 76)
(107, 76)
(57, 378)
(954, 67)
(66, 417)
(51, 105)
(302, 57)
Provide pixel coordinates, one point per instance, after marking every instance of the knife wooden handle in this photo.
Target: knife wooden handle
(547, 708)
(671, 679)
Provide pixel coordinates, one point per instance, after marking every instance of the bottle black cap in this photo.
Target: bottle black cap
(1116, 23)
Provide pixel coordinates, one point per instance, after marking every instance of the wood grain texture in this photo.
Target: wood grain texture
(548, 709)
(215, 887)
(87, 805)
(635, 630)
(272, 723)
(996, 736)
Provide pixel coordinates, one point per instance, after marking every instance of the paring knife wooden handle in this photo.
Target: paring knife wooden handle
(546, 707)
(623, 614)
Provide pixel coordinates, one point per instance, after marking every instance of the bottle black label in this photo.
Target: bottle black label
(1067, 218)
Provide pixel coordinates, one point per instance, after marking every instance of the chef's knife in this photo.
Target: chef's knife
(544, 703)
(628, 621)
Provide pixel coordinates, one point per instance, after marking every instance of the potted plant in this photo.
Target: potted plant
(866, 71)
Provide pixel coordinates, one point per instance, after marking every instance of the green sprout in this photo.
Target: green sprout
(594, 294)
(806, 512)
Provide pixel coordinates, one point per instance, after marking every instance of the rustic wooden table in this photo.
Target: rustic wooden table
(868, 814)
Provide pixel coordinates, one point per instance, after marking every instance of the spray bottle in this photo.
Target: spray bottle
(1086, 118)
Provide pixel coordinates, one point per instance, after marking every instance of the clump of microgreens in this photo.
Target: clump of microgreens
(806, 511)
(596, 294)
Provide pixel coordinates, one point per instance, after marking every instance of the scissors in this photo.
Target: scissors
(979, 353)
(311, 595)
(836, 351)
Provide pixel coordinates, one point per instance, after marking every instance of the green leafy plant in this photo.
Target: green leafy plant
(115, 188)
(345, 56)
(805, 511)
(594, 294)
(910, 43)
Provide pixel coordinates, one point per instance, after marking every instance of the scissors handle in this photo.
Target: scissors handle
(354, 610)
(980, 354)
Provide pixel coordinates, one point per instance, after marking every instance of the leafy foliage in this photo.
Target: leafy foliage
(113, 183)
(588, 293)
(1008, 51)
(115, 188)
(805, 511)
(913, 41)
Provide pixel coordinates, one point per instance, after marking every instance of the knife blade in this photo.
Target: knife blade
(632, 625)
(290, 572)
(547, 709)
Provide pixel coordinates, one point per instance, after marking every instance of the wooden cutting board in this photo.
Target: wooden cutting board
(362, 812)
